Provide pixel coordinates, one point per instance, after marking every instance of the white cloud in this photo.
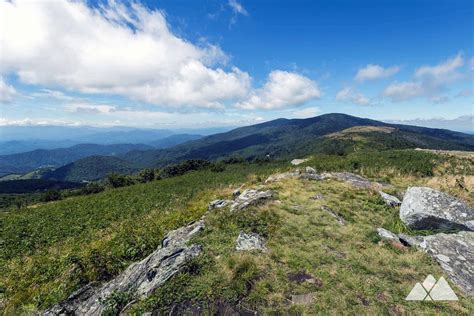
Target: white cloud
(471, 64)
(282, 89)
(403, 91)
(7, 92)
(372, 72)
(306, 112)
(128, 51)
(84, 107)
(52, 94)
(428, 82)
(442, 72)
(462, 123)
(348, 94)
(237, 7)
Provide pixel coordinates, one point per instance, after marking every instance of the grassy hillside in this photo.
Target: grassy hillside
(285, 138)
(90, 168)
(50, 250)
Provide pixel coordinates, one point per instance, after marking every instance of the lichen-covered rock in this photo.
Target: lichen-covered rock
(390, 200)
(310, 170)
(411, 241)
(139, 279)
(247, 242)
(455, 254)
(426, 208)
(249, 197)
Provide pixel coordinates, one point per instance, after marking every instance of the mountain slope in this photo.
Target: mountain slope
(24, 162)
(90, 168)
(284, 137)
(173, 140)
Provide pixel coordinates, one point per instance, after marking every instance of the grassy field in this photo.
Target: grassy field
(49, 250)
(52, 249)
(353, 271)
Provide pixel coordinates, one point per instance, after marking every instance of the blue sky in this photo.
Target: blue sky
(188, 63)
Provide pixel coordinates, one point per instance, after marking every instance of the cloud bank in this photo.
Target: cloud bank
(125, 50)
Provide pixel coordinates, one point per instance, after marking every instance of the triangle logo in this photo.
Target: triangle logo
(432, 290)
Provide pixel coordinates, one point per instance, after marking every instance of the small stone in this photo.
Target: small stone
(386, 234)
(310, 170)
(296, 162)
(303, 299)
(252, 241)
(390, 200)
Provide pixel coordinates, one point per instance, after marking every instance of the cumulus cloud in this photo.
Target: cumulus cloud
(428, 81)
(7, 92)
(348, 94)
(282, 89)
(113, 49)
(373, 72)
(237, 7)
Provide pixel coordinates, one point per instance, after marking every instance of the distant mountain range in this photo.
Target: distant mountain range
(298, 137)
(281, 138)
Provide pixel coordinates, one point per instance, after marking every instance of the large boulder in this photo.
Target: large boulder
(455, 254)
(140, 279)
(425, 208)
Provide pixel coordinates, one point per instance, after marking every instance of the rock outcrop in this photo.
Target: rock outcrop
(252, 241)
(355, 180)
(139, 279)
(390, 200)
(425, 208)
(249, 197)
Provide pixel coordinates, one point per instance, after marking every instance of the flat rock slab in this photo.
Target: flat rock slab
(426, 208)
(455, 254)
(248, 242)
(140, 279)
(249, 197)
(216, 204)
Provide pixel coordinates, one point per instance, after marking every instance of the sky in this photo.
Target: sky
(175, 63)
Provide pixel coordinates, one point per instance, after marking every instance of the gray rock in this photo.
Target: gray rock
(317, 197)
(412, 241)
(355, 180)
(249, 197)
(283, 176)
(310, 170)
(339, 219)
(236, 193)
(296, 162)
(390, 200)
(303, 299)
(386, 234)
(425, 208)
(455, 254)
(247, 242)
(216, 204)
(140, 279)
